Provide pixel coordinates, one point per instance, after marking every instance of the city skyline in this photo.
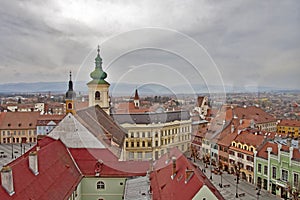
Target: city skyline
(250, 44)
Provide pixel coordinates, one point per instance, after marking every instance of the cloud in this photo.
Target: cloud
(250, 41)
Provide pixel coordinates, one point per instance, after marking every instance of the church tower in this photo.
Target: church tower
(98, 87)
(136, 99)
(70, 97)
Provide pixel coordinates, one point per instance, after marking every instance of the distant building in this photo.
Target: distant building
(46, 123)
(202, 106)
(261, 119)
(289, 127)
(18, 127)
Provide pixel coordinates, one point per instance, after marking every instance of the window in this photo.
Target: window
(249, 168)
(97, 95)
(240, 155)
(231, 153)
(100, 185)
(259, 168)
(250, 158)
(296, 180)
(274, 172)
(284, 175)
(265, 186)
(69, 105)
(265, 170)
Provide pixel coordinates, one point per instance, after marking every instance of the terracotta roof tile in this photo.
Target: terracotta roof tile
(255, 113)
(109, 164)
(19, 120)
(164, 187)
(292, 123)
(57, 178)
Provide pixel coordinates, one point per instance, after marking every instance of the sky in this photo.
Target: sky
(234, 43)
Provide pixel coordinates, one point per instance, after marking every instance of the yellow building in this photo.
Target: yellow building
(17, 127)
(150, 135)
(289, 127)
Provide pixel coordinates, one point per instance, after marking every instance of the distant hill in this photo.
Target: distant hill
(128, 89)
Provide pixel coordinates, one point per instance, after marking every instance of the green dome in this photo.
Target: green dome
(98, 75)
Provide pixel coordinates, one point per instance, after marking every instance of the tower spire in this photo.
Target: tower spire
(70, 82)
(98, 50)
(98, 75)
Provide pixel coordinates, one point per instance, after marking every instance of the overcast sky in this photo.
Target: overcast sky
(238, 43)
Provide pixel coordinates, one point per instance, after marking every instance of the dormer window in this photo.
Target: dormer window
(19, 124)
(8, 125)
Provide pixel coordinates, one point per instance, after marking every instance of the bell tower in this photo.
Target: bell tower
(136, 99)
(98, 87)
(70, 97)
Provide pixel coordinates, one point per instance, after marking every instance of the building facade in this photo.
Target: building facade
(150, 135)
(277, 169)
(289, 127)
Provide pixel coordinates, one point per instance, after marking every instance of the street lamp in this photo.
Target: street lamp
(237, 171)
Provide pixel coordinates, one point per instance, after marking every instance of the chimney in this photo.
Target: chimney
(241, 121)
(7, 180)
(188, 175)
(173, 167)
(33, 162)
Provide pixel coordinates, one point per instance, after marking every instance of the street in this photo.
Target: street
(246, 191)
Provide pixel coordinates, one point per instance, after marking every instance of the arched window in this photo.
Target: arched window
(97, 95)
(100, 185)
(69, 105)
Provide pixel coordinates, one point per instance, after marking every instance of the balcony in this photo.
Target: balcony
(281, 182)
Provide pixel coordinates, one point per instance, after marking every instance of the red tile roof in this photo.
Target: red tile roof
(43, 120)
(292, 123)
(19, 120)
(109, 164)
(262, 151)
(57, 178)
(164, 187)
(255, 113)
(129, 107)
